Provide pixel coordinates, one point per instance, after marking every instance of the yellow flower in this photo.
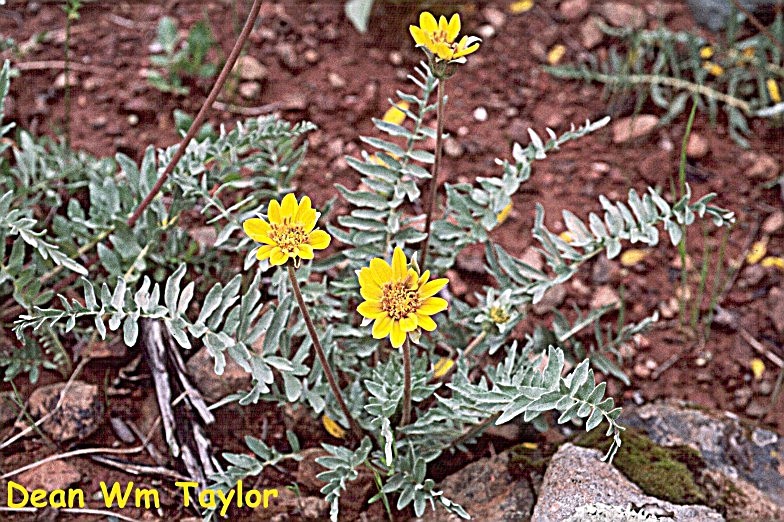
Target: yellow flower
(290, 232)
(439, 37)
(773, 90)
(504, 214)
(499, 315)
(749, 52)
(398, 299)
(395, 114)
(706, 52)
(713, 68)
(521, 6)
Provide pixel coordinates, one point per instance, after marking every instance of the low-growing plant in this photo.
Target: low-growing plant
(741, 76)
(298, 317)
(180, 60)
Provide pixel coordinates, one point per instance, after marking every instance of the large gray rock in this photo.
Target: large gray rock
(578, 484)
(714, 14)
(744, 459)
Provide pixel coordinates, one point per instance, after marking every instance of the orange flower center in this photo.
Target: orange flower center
(288, 236)
(398, 299)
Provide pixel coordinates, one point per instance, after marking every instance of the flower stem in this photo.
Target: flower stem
(431, 202)
(406, 418)
(202, 114)
(333, 383)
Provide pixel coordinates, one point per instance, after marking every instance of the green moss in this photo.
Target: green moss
(527, 458)
(665, 473)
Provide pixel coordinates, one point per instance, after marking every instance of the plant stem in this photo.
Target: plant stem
(406, 418)
(202, 115)
(476, 341)
(67, 75)
(475, 429)
(333, 383)
(434, 172)
(682, 191)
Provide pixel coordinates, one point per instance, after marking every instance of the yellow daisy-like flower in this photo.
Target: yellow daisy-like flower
(439, 37)
(290, 232)
(398, 299)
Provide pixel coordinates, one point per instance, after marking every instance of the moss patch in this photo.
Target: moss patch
(528, 458)
(665, 473)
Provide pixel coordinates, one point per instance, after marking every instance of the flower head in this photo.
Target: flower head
(498, 312)
(290, 232)
(438, 38)
(398, 298)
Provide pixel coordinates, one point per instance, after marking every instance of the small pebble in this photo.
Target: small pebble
(480, 114)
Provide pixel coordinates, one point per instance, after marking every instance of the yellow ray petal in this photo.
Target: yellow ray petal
(426, 322)
(303, 210)
(633, 256)
(382, 327)
(305, 251)
(332, 427)
(277, 257)
(432, 288)
(395, 114)
(428, 22)
(419, 36)
(380, 271)
(319, 239)
(757, 252)
(399, 269)
(288, 207)
(442, 366)
(409, 323)
(396, 335)
(371, 310)
(273, 212)
(264, 252)
(454, 27)
(432, 305)
(256, 228)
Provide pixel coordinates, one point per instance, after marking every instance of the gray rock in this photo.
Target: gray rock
(577, 478)
(742, 453)
(488, 491)
(714, 14)
(79, 415)
(621, 14)
(250, 69)
(633, 127)
(215, 387)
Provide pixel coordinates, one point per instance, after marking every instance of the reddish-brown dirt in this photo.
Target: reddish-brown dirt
(345, 83)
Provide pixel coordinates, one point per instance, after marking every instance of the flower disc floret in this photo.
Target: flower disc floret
(438, 37)
(398, 299)
(289, 234)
